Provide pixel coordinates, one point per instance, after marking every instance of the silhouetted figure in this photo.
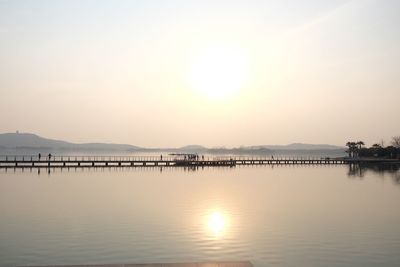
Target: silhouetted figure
(39, 156)
(49, 156)
(161, 157)
(272, 156)
(202, 157)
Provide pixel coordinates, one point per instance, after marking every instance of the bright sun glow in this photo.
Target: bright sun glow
(216, 223)
(219, 73)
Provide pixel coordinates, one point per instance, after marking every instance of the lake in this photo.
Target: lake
(270, 215)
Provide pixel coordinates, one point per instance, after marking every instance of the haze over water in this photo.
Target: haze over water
(273, 216)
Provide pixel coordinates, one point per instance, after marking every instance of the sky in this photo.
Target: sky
(217, 73)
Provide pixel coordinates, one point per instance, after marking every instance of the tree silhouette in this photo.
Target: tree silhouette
(360, 144)
(352, 149)
(376, 150)
(376, 146)
(396, 141)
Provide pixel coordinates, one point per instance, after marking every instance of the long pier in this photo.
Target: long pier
(151, 161)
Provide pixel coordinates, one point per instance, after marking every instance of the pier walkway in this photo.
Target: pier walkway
(145, 161)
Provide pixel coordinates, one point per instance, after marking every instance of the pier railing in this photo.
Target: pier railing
(12, 158)
(137, 161)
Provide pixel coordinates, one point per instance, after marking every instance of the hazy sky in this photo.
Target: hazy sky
(171, 73)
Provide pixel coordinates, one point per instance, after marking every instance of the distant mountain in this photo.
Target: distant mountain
(196, 148)
(299, 146)
(24, 142)
(28, 141)
(295, 149)
(18, 140)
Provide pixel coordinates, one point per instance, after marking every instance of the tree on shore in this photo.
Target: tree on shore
(360, 144)
(376, 146)
(378, 150)
(352, 149)
(396, 141)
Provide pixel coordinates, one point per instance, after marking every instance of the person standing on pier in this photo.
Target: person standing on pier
(161, 156)
(39, 156)
(49, 156)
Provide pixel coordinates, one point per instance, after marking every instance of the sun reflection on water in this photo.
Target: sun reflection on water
(216, 223)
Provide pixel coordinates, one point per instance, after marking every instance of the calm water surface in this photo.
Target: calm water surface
(281, 216)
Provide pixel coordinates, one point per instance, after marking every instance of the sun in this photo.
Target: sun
(219, 73)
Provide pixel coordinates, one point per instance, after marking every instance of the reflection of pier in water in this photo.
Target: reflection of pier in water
(355, 168)
(204, 264)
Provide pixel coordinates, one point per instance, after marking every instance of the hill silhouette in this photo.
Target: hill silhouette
(32, 142)
(28, 141)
